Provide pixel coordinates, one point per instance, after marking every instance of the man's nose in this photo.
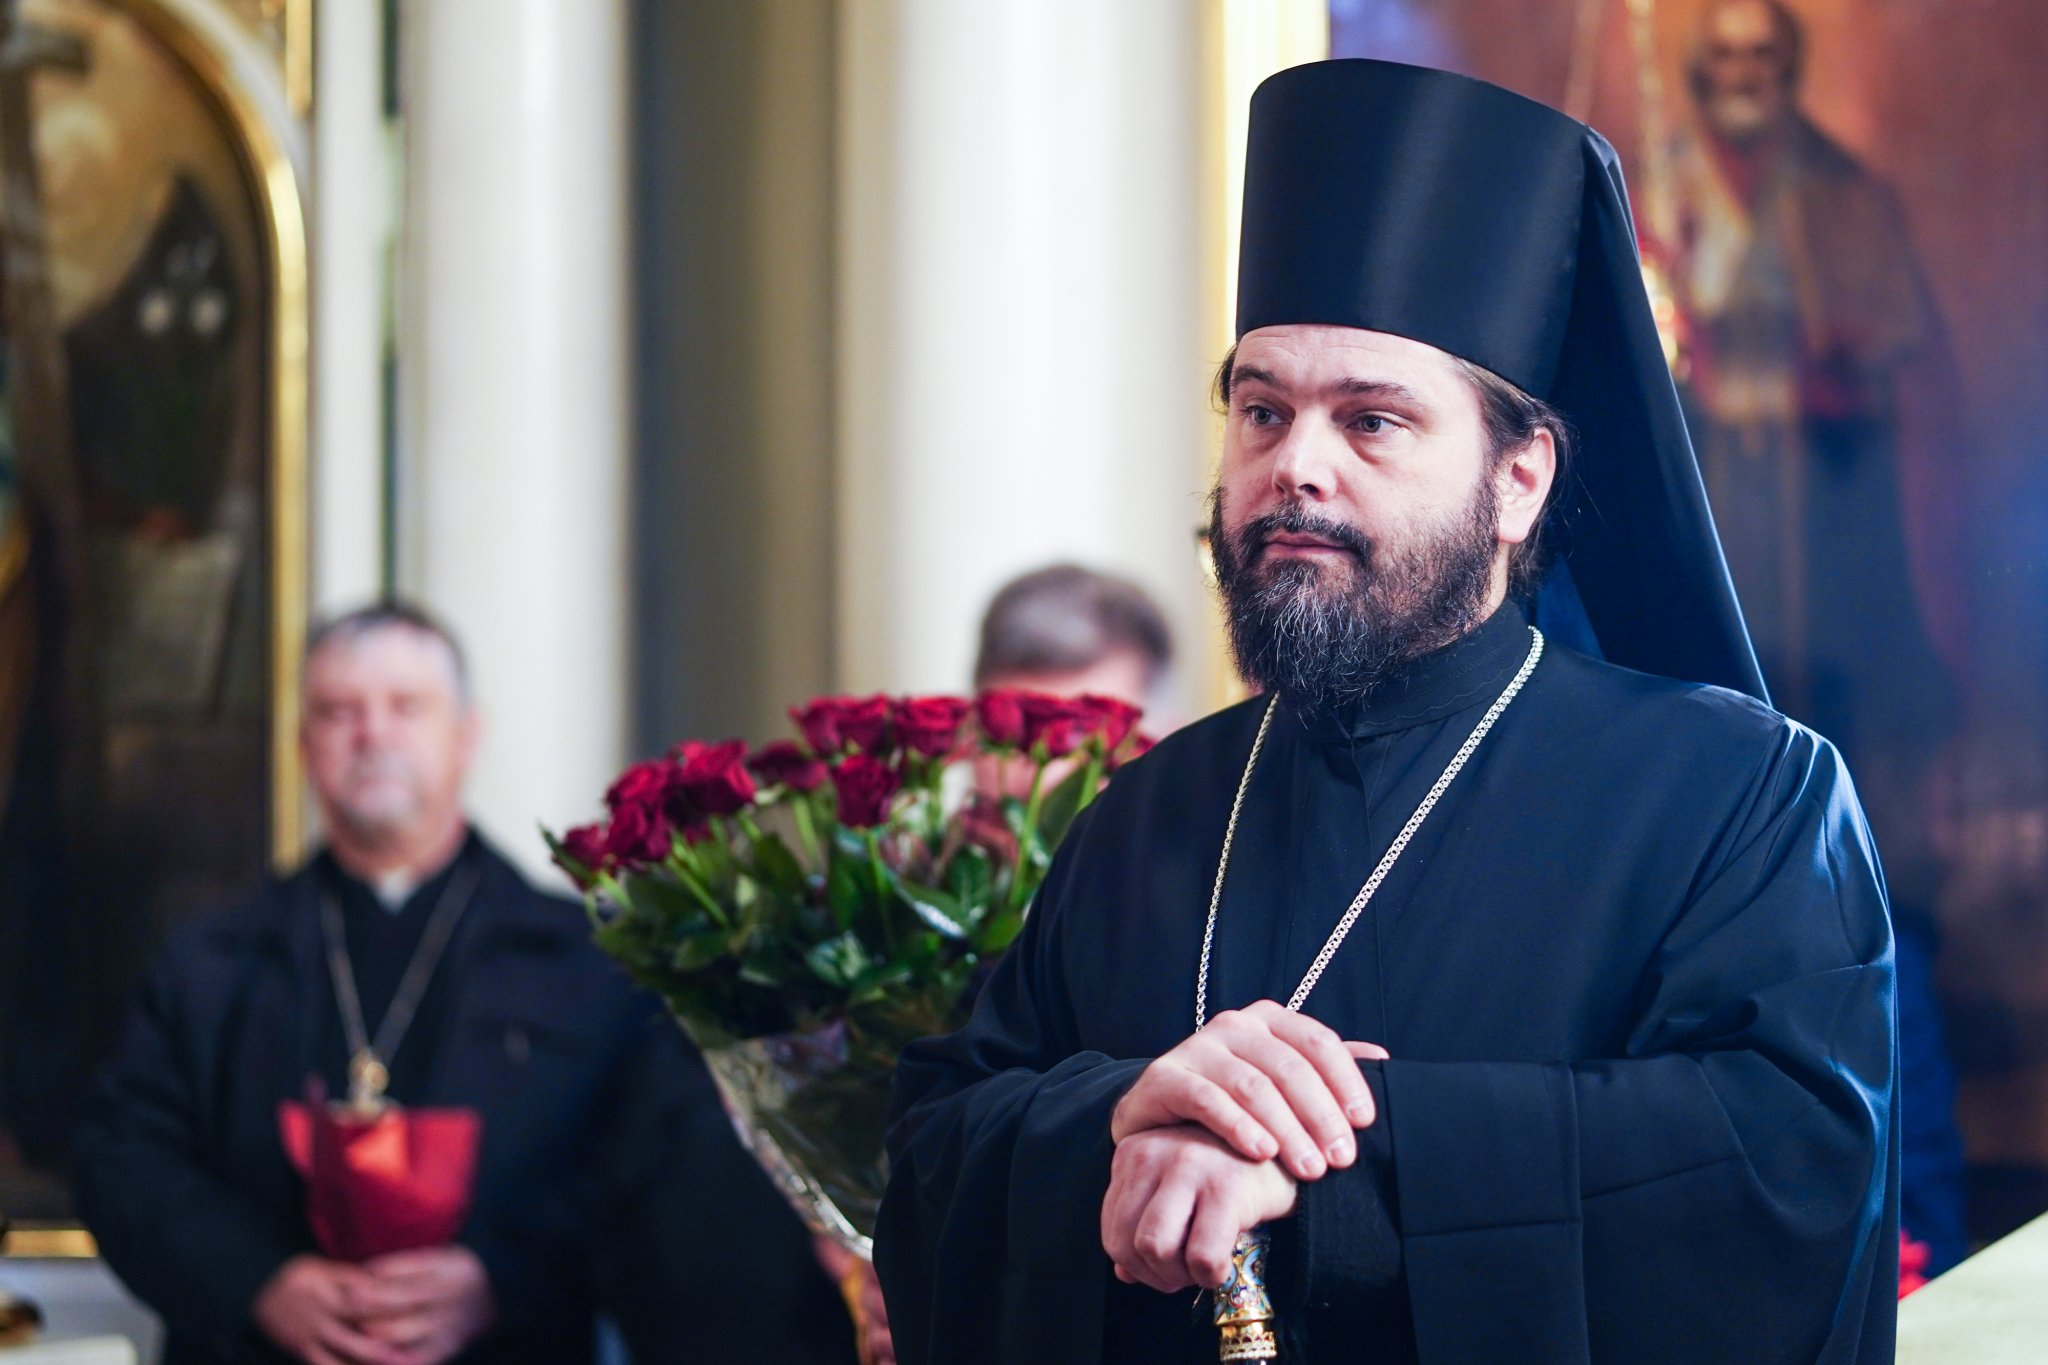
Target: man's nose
(1305, 463)
(373, 727)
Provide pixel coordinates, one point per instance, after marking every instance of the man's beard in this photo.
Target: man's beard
(1326, 634)
(1743, 116)
(393, 810)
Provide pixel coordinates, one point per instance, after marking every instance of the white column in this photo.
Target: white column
(351, 232)
(514, 386)
(1022, 359)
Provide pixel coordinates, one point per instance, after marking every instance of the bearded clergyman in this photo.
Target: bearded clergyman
(1506, 980)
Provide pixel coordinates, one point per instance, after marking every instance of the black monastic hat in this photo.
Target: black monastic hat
(1439, 208)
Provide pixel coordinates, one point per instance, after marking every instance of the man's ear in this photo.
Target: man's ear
(1522, 486)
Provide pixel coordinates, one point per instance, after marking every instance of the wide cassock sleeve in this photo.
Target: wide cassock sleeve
(1724, 1191)
(188, 1245)
(989, 1240)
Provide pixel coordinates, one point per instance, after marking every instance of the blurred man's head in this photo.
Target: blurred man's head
(1067, 630)
(1745, 66)
(389, 731)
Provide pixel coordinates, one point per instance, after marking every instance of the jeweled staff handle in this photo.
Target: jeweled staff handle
(1244, 1311)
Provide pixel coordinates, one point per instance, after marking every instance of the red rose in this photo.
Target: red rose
(1059, 723)
(929, 725)
(818, 721)
(584, 846)
(831, 724)
(1108, 718)
(864, 723)
(784, 764)
(981, 823)
(864, 786)
(639, 835)
(1140, 745)
(715, 781)
(1000, 714)
(644, 784)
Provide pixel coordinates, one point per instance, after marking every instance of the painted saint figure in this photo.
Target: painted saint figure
(1810, 344)
(1817, 375)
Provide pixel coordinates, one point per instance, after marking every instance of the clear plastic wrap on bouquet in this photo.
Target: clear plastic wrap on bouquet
(813, 1114)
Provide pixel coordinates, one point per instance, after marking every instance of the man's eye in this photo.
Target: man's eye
(1260, 415)
(1372, 424)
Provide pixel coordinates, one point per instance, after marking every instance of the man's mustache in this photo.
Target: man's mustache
(1296, 520)
(374, 766)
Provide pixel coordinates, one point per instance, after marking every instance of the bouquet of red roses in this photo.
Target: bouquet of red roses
(808, 908)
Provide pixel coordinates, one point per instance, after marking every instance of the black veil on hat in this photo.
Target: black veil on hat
(1452, 212)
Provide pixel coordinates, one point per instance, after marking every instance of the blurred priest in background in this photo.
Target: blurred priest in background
(1507, 981)
(399, 1110)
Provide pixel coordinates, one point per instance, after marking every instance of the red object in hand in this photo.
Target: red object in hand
(397, 1180)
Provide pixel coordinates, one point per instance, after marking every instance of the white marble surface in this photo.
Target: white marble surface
(1990, 1310)
(83, 1305)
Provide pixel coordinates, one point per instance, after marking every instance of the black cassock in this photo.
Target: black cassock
(1635, 976)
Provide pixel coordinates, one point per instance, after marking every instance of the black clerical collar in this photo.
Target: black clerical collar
(1468, 672)
(358, 895)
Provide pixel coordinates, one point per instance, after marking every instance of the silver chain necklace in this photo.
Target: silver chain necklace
(1387, 861)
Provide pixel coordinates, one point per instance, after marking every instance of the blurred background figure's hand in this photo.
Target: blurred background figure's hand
(429, 1303)
(309, 1310)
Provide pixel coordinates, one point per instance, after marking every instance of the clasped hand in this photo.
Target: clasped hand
(1215, 1135)
(408, 1308)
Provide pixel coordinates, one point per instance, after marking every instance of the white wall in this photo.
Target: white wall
(513, 386)
(1022, 363)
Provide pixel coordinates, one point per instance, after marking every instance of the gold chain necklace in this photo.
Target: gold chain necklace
(1386, 863)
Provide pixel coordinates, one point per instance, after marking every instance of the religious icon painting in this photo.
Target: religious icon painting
(150, 444)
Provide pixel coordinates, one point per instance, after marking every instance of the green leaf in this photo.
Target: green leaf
(839, 961)
(939, 910)
(777, 867)
(1062, 804)
(970, 876)
(663, 896)
(765, 968)
(877, 982)
(920, 951)
(999, 930)
(746, 900)
(699, 951)
(847, 887)
(626, 942)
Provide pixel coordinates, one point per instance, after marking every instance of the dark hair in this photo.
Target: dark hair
(1058, 619)
(390, 614)
(1511, 416)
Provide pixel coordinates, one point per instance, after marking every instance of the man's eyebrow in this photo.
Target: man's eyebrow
(1385, 389)
(1351, 386)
